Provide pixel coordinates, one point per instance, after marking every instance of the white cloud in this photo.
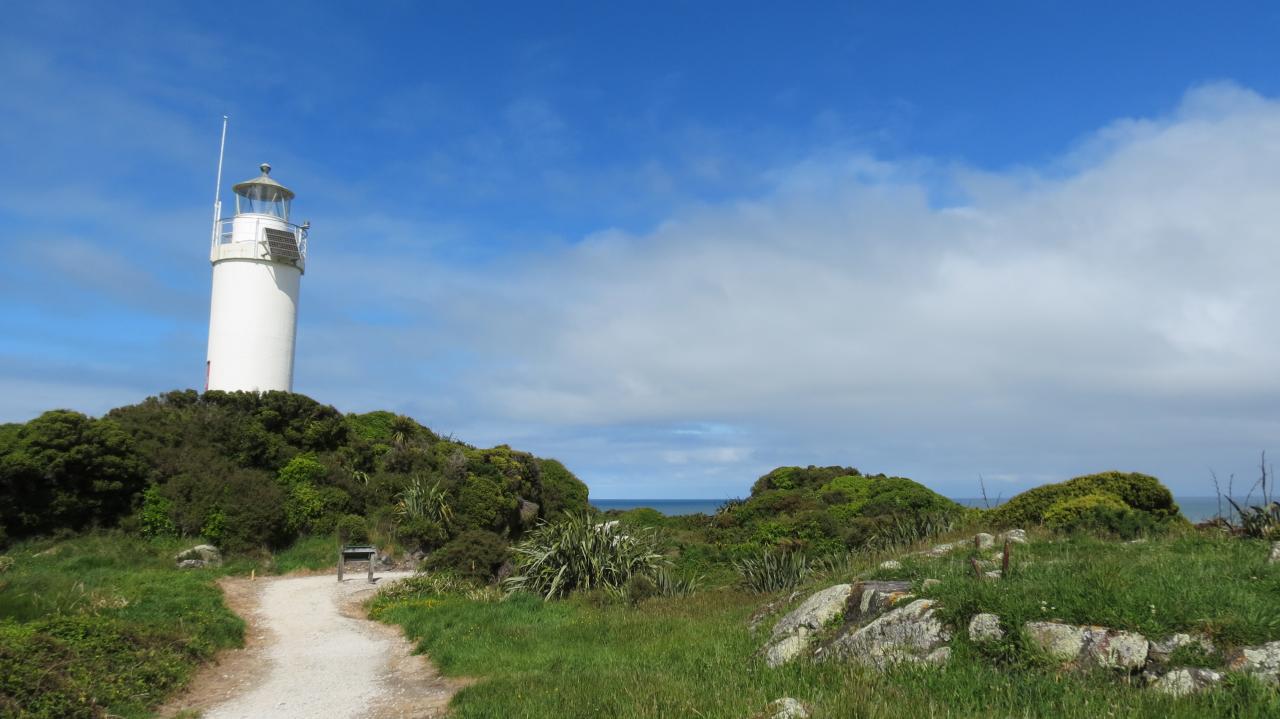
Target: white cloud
(1113, 307)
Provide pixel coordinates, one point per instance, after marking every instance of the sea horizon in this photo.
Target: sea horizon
(1196, 508)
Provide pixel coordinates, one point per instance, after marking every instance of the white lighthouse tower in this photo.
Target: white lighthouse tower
(258, 259)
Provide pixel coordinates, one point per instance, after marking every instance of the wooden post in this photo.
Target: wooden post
(977, 570)
(341, 561)
(371, 556)
(1004, 563)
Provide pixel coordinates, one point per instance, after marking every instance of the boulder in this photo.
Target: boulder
(874, 597)
(982, 540)
(1261, 661)
(1014, 536)
(786, 708)
(1181, 682)
(1275, 553)
(993, 574)
(940, 550)
(1161, 650)
(891, 564)
(204, 555)
(930, 583)
(816, 611)
(985, 628)
(907, 634)
(1110, 649)
(1060, 641)
(792, 633)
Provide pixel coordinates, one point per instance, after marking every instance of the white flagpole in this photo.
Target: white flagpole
(217, 190)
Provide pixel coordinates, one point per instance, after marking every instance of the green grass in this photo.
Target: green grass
(104, 622)
(1186, 582)
(694, 656)
(309, 552)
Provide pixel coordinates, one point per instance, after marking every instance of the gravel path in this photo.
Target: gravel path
(313, 656)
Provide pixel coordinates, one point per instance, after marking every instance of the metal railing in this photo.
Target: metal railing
(223, 232)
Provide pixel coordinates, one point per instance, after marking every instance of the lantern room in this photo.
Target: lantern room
(263, 196)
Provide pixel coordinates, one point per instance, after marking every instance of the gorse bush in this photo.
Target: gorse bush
(772, 571)
(475, 555)
(1140, 492)
(579, 553)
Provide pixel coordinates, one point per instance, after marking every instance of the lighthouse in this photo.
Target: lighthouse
(258, 259)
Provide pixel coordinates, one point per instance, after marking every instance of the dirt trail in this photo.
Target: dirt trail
(310, 653)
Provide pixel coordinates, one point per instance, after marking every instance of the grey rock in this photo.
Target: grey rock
(786, 708)
(874, 597)
(1161, 650)
(1060, 641)
(940, 550)
(1015, 536)
(985, 628)
(1109, 649)
(816, 611)
(191, 564)
(787, 648)
(1181, 682)
(1275, 553)
(207, 554)
(930, 583)
(905, 634)
(792, 634)
(982, 540)
(891, 564)
(1262, 661)
(938, 656)
(993, 574)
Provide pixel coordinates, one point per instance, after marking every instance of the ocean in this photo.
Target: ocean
(1196, 509)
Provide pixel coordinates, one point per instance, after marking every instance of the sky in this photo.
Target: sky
(678, 244)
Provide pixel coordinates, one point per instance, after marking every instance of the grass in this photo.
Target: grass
(695, 656)
(104, 623)
(307, 553)
(1189, 582)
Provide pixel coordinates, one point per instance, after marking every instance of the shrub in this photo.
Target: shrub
(423, 533)
(1139, 491)
(1098, 512)
(155, 517)
(579, 553)
(352, 529)
(474, 554)
(561, 490)
(482, 504)
(772, 571)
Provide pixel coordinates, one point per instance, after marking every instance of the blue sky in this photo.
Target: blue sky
(676, 245)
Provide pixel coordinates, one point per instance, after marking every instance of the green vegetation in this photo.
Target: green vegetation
(696, 656)
(578, 552)
(103, 623)
(1139, 492)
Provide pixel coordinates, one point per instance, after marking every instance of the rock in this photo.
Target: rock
(985, 628)
(874, 597)
(891, 564)
(191, 564)
(787, 648)
(1014, 536)
(940, 550)
(1110, 649)
(816, 611)
(786, 708)
(1261, 661)
(1275, 553)
(791, 635)
(1160, 651)
(993, 574)
(982, 540)
(930, 583)
(1181, 682)
(906, 634)
(1060, 641)
(939, 656)
(207, 554)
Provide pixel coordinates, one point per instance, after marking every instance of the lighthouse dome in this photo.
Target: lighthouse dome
(263, 195)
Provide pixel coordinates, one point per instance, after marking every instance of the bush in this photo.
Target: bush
(474, 554)
(1139, 491)
(561, 491)
(352, 529)
(155, 517)
(422, 533)
(1097, 513)
(579, 553)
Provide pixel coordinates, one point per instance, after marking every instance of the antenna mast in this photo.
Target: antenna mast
(217, 190)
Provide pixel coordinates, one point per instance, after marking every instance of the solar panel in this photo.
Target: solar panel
(281, 244)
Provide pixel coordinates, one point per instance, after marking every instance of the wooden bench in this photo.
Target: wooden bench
(356, 553)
